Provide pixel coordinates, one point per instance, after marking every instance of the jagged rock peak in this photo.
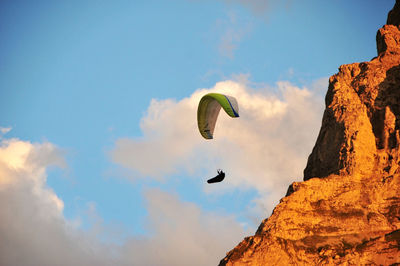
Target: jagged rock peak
(347, 211)
(361, 122)
(394, 15)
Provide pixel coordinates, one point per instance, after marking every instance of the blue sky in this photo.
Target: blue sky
(106, 92)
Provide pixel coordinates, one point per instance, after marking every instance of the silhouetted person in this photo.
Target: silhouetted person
(218, 178)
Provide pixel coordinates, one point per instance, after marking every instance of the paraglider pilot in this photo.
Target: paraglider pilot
(218, 178)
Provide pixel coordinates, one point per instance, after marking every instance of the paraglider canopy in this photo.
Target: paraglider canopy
(208, 110)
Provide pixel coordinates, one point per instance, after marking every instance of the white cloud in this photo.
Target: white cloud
(33, 230)
(266, 148)
(182, 234)
(231, 31)
(233, 28)
(4, 130)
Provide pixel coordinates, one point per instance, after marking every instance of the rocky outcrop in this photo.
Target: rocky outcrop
(347, 210)
(360, 127)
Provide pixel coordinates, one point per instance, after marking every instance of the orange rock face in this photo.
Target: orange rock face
(347, 211)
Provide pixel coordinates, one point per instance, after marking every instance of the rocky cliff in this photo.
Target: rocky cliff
(347, 210)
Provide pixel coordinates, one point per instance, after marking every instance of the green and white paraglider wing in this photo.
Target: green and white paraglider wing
(208, 110)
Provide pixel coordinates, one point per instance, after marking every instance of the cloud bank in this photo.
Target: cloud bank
(182, 234)
(265, 149)
(34, 231)
(32, 228)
